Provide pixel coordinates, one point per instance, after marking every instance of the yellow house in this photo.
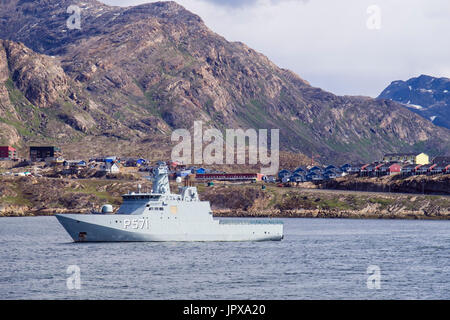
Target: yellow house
(413, 158)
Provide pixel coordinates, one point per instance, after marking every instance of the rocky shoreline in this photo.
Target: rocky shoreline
(30, 196)
(300, 213)
(332, 214)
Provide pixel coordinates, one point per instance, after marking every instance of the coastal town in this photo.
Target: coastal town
(406, 186)
(50, 161)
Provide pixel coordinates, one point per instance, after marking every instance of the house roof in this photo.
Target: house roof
(110, 164)
(358, 165)
(410, 166)
(373, 164)
(442, 159)
(314, 173)
(8, 147)
(425, 167)
(389, 164)
(45, 147)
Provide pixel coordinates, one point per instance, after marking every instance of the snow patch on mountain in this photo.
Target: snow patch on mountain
(415, 106)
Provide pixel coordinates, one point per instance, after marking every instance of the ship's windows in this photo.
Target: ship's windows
(148, 206)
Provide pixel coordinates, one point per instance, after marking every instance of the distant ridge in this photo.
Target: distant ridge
(425, 95)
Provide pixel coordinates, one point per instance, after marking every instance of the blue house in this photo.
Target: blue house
(299, 170)
(314, 176)
(284, 174)
(330, 174)
(315, 170)
(356, 168)
(110, 159)
(297, 177)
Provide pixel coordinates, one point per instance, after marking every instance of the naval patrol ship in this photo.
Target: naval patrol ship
(164, 216)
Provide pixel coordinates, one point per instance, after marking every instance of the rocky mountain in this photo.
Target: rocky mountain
(425, 95)
(129, 76)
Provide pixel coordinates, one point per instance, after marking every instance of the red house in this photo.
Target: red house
(387, 169)
(8, 153)
(447, 169)
(395, 168)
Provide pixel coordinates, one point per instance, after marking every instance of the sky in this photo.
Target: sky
(348, 47)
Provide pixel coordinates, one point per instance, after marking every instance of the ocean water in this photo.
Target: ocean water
(318, 259)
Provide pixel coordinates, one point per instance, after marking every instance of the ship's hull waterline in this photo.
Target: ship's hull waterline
(126, 228)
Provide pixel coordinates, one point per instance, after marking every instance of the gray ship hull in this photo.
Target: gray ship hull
(119, 228)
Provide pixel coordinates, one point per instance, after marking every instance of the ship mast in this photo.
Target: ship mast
(161, 179)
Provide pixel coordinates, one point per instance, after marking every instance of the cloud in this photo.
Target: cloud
(327, 42)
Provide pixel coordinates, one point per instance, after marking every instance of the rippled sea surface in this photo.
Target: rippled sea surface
(318, 259)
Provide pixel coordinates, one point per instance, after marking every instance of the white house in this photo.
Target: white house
(110, 167)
